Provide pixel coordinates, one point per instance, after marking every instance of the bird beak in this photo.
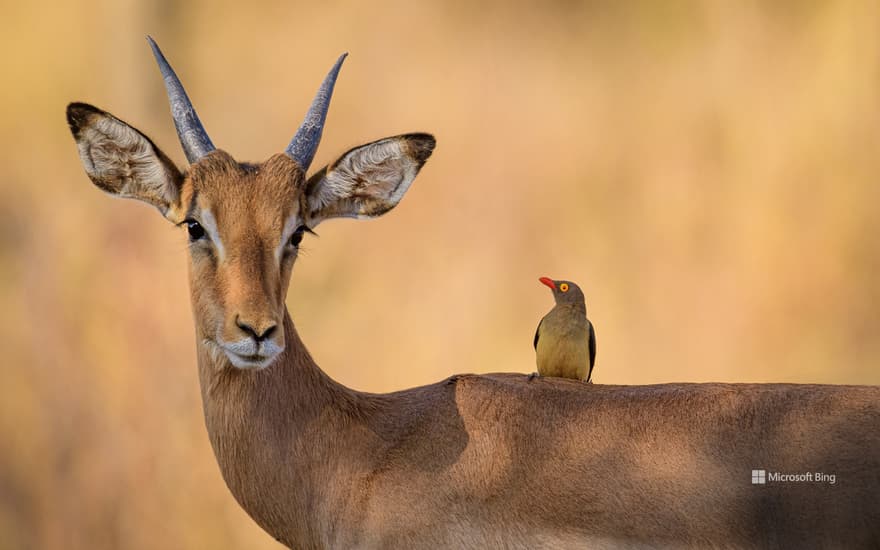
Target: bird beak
(548, 281)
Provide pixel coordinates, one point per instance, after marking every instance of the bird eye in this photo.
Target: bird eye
(563, 287)
(297, 236)
(196, 231)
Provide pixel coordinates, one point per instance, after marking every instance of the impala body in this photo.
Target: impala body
(491, 461)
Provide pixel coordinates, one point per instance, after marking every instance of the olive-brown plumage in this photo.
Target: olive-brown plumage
(565, 342)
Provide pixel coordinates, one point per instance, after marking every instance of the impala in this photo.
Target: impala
(479, 461)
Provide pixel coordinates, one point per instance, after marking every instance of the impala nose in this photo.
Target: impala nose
(256, 332)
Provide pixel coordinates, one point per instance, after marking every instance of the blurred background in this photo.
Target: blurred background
(706, 171)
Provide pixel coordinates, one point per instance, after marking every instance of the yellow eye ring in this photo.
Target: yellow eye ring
(563, 287)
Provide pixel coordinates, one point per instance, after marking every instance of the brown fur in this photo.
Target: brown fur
(492, 460)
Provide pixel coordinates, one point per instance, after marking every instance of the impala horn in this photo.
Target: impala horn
(304, 144)
(192, 134)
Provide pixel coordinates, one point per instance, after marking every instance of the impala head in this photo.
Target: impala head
(244, 222)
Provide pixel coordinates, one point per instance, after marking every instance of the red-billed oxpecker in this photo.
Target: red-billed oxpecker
(565, 342)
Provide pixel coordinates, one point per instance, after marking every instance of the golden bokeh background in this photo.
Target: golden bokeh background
(707, 171)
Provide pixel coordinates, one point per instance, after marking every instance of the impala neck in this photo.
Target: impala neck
(293, 382)
(275, 431)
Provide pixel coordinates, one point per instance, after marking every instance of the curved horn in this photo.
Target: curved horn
(193, 138)
(304, 144)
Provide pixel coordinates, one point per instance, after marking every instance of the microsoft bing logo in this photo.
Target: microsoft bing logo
(763, 477)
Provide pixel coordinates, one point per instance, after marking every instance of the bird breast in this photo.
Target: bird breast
(563, 344)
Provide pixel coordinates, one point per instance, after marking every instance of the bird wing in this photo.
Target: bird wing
(537, 333)
(592, 344)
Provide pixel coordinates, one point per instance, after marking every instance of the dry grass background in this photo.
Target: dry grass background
(708, 171)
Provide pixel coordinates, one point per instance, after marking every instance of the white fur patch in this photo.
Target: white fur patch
(289, 227)
(248, 354)
(210, 224)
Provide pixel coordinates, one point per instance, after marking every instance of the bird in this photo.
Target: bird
(565, 341)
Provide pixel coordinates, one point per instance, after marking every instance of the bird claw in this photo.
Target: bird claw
(533, 376)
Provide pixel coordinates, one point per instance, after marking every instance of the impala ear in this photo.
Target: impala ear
(368, 180)
(124, 162)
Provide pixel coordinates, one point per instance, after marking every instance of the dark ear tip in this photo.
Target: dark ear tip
(78, 114)
(421, 146)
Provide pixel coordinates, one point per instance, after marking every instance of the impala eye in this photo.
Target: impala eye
(195, 229)
(297, 236)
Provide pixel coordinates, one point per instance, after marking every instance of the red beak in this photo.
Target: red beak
(548, 281)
